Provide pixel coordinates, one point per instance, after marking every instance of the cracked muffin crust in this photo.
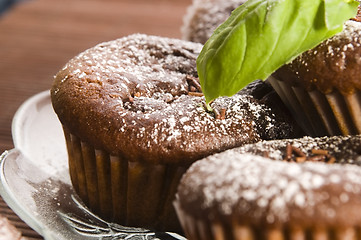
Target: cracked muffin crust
(134, 120)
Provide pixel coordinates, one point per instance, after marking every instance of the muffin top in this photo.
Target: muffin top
(251, 189)
(333, 64)
(335, 149)
(204, 16)
(138, 97)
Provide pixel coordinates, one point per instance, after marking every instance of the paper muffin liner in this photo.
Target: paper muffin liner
(321, 114)
(135, 194)
(216, 229)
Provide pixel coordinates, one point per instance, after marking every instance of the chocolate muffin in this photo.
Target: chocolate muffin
(134, 119)
(239, 195)
(335, 149)
(322, 86)
(204, 16)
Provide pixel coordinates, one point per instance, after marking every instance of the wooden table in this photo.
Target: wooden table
(37, 37)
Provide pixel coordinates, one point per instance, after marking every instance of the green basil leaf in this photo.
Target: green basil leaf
(262, 35)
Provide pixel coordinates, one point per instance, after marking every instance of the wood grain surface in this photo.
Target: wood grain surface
(37, 37)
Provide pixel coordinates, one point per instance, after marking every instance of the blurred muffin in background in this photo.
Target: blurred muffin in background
(204, 16)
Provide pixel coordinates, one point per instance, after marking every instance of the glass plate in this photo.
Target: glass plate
(35, 182)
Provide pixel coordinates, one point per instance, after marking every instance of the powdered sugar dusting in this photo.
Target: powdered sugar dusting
(143, 58)
(241, 124)
(345, 149)
(137, 89)
(256, 188)
(332, 65)
(347, 40)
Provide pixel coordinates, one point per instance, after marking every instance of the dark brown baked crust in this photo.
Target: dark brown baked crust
(334, 64)
(130, 97)
(238, 186)
(342, 149)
